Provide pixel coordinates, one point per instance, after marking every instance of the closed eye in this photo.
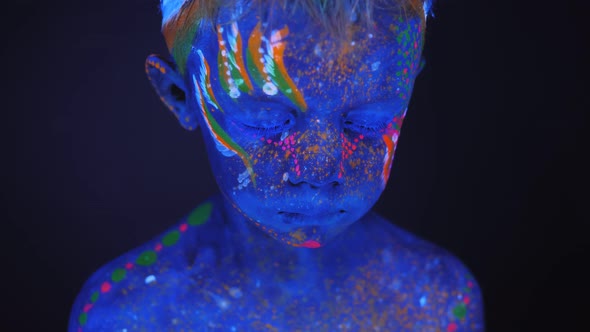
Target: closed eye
(269, 128)
(365, 127)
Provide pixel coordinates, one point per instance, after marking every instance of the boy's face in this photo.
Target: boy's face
(301, 134)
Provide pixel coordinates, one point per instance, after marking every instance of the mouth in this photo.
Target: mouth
(300, 219)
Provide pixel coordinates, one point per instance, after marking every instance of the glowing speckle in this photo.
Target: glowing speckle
(146, 258)
(234, 93)
(150, 279)
(460, 311)
(270, 89)
(375, 65)
(83, 318)
(105, 287)
(171, 238)
(286, 177)
(118, 275)
(310, 244)
(452, 327)
(423, 301)
(221, 302)
(235, 292)
(200, 215)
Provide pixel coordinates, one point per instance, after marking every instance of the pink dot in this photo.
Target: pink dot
(452, 327)
(128, 266)
(356, 140)
(87, 307)
(158, 247)
(470, 284)
(297, 168)
(183, 227)
(283, 148)
(268, 141)
(361, 136)
(311, 244)
(105, 287)
(466, 300)
(296, 161)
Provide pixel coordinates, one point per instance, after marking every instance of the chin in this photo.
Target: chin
(304, 231)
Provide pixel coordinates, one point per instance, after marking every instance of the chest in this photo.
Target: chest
(356, 302)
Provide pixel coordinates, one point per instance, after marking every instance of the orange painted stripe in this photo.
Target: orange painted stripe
(388, 159)
(254, 43)
(208, 85)
(278, 50)
(240, 62)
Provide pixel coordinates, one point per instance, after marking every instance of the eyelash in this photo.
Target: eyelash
(368, 129)
(267, 131)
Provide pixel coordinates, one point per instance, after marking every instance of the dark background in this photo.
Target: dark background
(491, 163)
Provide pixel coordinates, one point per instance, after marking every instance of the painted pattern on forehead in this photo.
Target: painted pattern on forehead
(265, 63)
(232, 71)
(224, 143)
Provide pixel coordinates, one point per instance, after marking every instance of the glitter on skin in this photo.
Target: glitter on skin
(315, 186)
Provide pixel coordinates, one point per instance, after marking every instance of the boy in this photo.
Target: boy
(300, 104)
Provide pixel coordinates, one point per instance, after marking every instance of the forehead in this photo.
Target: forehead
(369, 65)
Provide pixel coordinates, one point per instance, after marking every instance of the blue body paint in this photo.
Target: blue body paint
(301, 133)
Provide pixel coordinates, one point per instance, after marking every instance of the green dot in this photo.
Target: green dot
(83, 318)
(147, 258)
(94, 297)
(171, 238)
(118, 275)
(460, 311)
(201, 214)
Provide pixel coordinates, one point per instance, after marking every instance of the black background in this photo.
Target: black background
(491, 163)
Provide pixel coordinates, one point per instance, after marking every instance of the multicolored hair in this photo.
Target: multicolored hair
(181, 19)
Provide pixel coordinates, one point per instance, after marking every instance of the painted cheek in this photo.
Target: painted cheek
(390, 139)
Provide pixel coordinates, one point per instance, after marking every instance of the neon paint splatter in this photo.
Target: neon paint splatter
(198, 217)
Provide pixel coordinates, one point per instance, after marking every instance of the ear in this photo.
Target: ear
(170, 86)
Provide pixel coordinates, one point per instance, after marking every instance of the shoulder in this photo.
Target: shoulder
(437, 283)
(129, 292)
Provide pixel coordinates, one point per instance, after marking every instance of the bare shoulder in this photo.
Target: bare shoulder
(432, 280)
(137, 290)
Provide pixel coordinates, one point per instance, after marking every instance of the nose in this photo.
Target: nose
(318, 161)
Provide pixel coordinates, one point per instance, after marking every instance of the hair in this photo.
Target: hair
(182, 19)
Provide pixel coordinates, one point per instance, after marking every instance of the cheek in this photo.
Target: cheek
(362, 162)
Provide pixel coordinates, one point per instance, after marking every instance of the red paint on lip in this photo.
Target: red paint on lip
(310, 244)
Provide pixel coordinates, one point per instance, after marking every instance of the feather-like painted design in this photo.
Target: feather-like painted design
(170, 8)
